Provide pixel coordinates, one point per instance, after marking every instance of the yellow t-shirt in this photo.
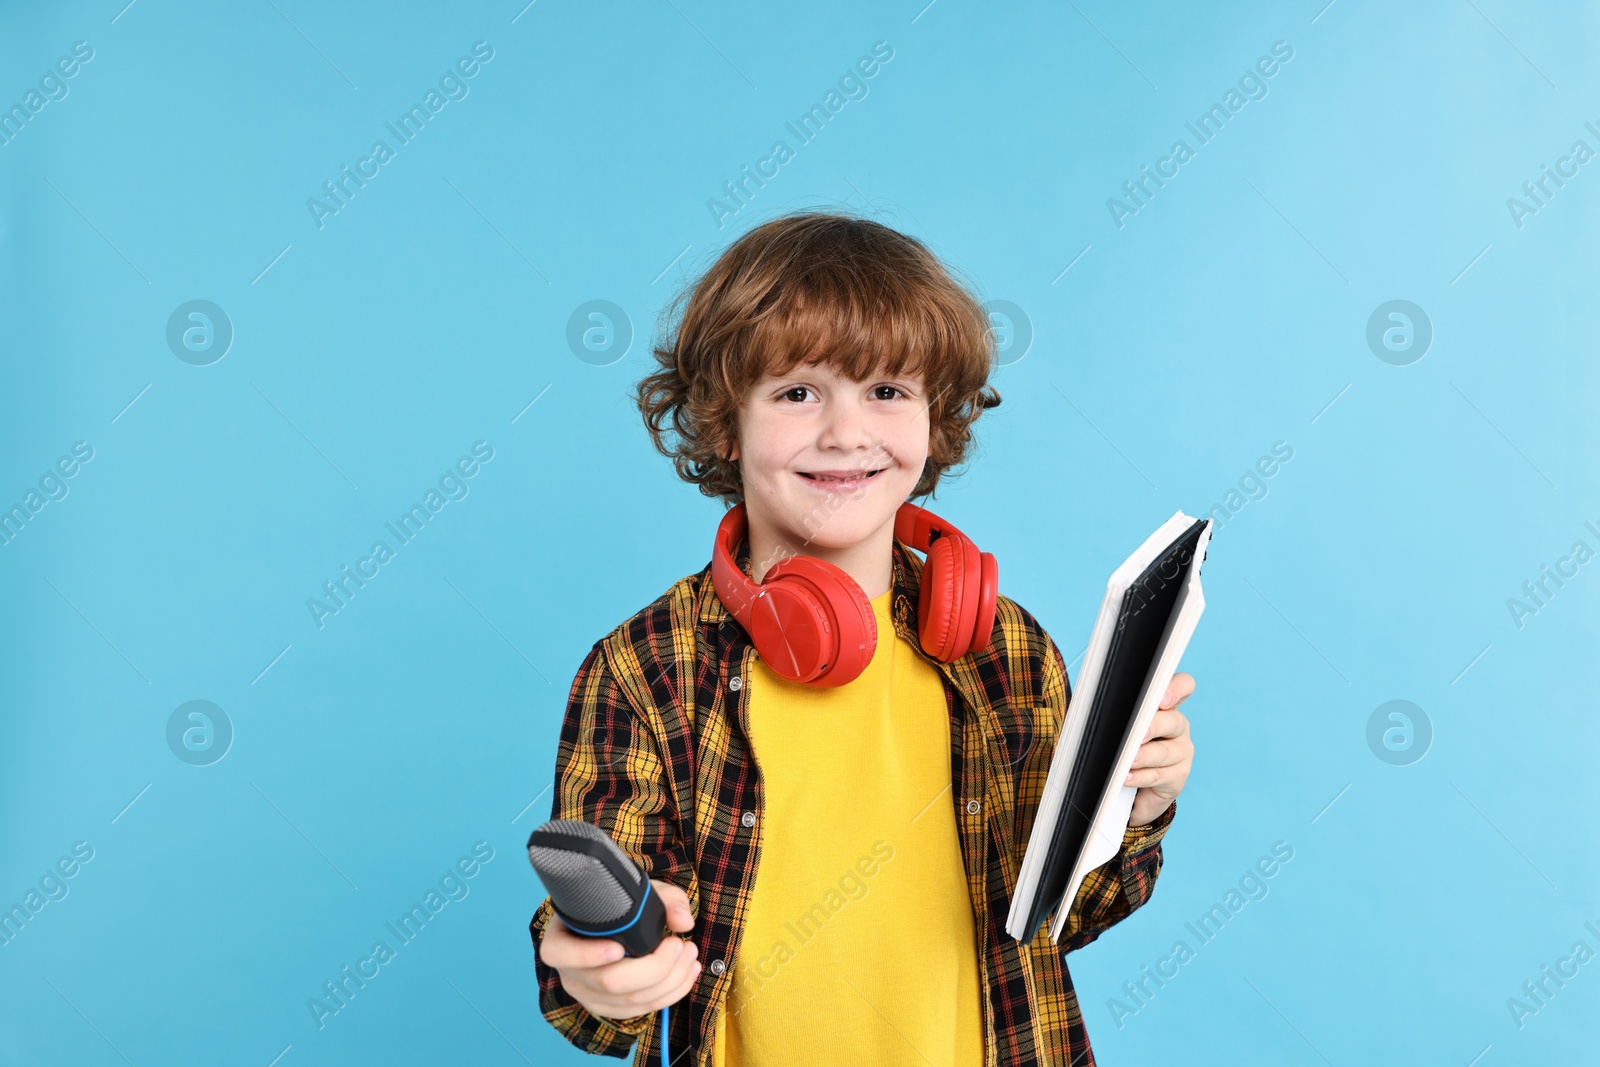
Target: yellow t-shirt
(860, 942)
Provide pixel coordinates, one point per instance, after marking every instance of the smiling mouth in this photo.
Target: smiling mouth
(841, 479)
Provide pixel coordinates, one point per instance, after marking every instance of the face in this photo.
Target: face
(827, 461)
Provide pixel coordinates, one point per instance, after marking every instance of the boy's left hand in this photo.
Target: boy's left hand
(1161, 766)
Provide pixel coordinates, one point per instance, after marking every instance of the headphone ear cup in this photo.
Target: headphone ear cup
(950, 601)
(935, 619)
(831, 635)
(857, 635)
(964, 612)
(790, 629)
(988, 596)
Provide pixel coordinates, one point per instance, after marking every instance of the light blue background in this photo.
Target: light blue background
(426, 315)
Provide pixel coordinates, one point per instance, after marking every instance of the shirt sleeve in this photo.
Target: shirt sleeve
(1115, 889)
(609, 773)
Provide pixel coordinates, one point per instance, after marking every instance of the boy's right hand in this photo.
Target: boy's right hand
(595, 972)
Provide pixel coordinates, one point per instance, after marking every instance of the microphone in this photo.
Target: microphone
(595, 888)
(598, 891)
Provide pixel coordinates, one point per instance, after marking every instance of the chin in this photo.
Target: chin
(833, 535)
(853, 523)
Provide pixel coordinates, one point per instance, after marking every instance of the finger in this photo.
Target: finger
(1171, 723)
(1178, 690)
(1160, 753)
(560, 947)
(628, 977)
(673, 988)
(1158, 779)
(679, 917)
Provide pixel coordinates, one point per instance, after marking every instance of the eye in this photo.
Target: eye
(893, 391)
(797, 393)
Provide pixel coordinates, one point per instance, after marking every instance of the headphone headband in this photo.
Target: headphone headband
(735, 588)
(919, 527)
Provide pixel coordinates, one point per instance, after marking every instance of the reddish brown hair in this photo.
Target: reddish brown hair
(834, 289)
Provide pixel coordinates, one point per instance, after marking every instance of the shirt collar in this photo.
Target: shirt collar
(905, 580)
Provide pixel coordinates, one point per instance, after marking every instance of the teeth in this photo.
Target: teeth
(846, 478)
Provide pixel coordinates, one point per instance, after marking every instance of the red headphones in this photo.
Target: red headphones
(811, 622)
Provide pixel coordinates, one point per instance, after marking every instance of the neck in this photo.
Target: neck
(870, 561)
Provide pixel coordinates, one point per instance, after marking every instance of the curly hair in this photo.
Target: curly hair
(815, 287)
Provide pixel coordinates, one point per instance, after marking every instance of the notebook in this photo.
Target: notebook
(1152, 604)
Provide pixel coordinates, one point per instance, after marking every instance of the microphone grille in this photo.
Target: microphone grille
(580, 886)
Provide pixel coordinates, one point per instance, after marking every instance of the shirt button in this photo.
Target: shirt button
(736, 683)
(974, 806)
(748, 818)
(717, 967)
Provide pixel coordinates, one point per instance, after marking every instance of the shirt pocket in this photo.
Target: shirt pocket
(1019, 762)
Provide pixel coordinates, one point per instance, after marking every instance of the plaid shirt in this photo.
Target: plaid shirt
(655, 751)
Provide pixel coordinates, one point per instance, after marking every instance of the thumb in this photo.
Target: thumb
(1178, 690)
(679, 917)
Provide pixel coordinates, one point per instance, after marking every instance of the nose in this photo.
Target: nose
(844, 426)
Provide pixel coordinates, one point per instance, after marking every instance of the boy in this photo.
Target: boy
(840, 907)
